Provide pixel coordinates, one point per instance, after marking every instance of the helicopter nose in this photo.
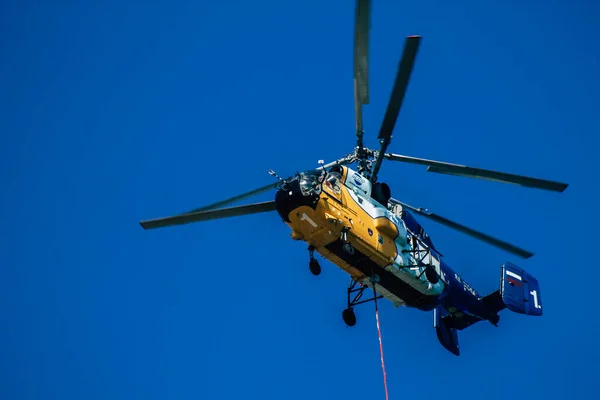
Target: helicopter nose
(290, 198)
(287, 199)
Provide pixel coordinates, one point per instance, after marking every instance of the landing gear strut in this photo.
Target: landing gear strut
(313, 264)
(348, 314)
(345, 243)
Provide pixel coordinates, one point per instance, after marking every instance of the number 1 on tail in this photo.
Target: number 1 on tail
(535, 298)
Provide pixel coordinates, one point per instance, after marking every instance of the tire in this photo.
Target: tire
(349, 317)
(314, 267)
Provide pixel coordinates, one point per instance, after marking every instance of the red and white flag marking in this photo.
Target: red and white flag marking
(514, 278)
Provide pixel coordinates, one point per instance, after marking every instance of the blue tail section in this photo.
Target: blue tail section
(519, 292)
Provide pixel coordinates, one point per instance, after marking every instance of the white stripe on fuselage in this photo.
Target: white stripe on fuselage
(305, 217)
(513, 275)
(374, 211)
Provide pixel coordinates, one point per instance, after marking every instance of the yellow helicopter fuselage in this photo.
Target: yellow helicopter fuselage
(350, 229)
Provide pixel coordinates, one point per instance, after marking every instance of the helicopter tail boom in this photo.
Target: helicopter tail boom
(519, 292)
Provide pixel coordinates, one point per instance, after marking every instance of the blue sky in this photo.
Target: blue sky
(116, 112)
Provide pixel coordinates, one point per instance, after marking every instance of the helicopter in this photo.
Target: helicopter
(350, 218)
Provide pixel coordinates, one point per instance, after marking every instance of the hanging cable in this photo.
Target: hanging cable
(380, 344)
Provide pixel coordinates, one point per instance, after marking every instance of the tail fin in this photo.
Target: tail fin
(519, 292)
(447, 335)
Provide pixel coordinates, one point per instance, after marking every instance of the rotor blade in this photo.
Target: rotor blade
(468, 231)
(236, 198)
(411, 46)
(470, 172)
(208, 215)
(361, 63)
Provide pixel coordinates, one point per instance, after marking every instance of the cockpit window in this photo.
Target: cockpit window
(333, 181)
(310, 182)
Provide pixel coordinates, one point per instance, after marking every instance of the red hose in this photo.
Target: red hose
(381, 347)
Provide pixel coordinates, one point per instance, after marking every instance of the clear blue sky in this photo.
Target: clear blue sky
(114, 113)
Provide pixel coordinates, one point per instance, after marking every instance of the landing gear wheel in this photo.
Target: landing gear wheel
(349, 317)
(314, 267)
(313, 264)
